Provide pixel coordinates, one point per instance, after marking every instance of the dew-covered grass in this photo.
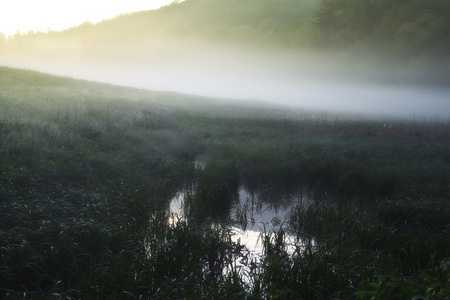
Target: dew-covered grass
(87, 171)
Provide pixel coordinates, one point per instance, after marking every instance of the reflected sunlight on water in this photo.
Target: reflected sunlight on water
(251, 219)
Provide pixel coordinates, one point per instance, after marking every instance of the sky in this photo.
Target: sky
(43, 15)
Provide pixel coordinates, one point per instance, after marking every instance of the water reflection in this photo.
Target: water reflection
(251, 218)
(176, 209)
(254, 217)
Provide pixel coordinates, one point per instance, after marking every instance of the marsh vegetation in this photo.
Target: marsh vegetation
(88, 170)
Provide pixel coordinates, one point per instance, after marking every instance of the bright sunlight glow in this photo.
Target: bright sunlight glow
(43, 15)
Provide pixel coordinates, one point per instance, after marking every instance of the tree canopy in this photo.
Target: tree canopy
(392, 29)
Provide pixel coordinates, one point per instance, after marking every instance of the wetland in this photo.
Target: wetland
(360, 204)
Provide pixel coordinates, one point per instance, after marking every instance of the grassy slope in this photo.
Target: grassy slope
(83, 165)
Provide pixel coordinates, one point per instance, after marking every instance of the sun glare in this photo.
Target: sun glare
(30, 15)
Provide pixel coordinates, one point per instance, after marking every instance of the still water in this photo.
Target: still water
(252, 217)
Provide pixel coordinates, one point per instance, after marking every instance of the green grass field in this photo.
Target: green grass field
(87, 170)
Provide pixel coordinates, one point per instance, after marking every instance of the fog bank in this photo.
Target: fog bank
(309, 82)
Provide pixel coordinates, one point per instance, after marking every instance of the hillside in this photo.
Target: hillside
(389, 28)
(206, 20)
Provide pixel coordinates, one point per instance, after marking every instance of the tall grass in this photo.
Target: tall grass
(394, 240)
(87, 171)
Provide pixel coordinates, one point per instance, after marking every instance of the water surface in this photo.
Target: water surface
(251, 218)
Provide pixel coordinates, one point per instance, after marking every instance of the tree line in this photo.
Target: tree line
(409, 29)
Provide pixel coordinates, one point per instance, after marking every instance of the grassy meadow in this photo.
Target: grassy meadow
(87, 171)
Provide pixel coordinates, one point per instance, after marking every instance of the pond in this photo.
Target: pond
(252, 216)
